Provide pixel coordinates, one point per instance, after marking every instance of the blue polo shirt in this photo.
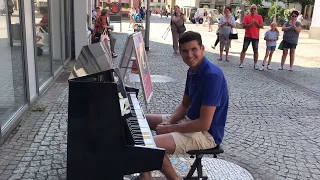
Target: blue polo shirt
(208, 86)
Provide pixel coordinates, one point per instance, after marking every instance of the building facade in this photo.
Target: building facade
(314, 32)
(155, 4)
(36, 39)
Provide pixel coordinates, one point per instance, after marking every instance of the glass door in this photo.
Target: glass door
(12, 72)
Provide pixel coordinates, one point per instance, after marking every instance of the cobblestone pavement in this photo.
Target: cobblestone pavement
(272, 129)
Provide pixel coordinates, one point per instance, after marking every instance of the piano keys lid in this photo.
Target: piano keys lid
(93, 59)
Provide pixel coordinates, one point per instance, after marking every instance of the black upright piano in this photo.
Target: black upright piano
(108, 135)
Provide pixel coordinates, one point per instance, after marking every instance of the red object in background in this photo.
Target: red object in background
(115, 7)
(134, 68)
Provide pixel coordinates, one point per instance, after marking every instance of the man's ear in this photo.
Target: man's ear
(202, 47)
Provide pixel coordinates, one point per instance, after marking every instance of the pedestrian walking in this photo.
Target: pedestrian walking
(131, 14)
(217, 40)
(226, 24)
(271, 37)
(252, 24)
(196, 17)
(291, 31)
(177, 27)
(211, 20)
(205, 14)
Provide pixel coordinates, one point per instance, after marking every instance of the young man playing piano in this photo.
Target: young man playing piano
(199, 121)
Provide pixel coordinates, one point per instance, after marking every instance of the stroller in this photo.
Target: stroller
(137, 21)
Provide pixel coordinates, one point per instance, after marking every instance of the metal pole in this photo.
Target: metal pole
(147, 32)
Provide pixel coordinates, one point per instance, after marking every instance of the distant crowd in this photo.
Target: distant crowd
(252, 23)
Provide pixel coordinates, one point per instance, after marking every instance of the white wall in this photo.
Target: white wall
(316, 14)
(30, 59)
(80, 25)
(182, 3)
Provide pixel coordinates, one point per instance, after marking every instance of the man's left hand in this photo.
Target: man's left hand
(162, 129)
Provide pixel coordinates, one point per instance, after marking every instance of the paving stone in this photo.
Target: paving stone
(29, 176)
(272, 128)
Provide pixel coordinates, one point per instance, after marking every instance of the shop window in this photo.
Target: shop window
(12, 89)
(42, 41)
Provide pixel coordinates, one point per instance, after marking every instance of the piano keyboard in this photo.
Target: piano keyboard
(138, 124)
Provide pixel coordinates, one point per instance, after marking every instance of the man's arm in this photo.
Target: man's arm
(245, 23)
(201, 124)
(181, 110)
(259, 23)
(211, 98)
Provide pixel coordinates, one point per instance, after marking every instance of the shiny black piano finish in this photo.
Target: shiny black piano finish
(97, 145)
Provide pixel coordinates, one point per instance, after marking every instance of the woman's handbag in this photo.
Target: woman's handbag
(105, 37)
(42, 36)
(180, 29)
(281, 45)
(233, 36)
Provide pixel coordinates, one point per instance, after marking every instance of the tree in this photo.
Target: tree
(256, 2)
(303, 3)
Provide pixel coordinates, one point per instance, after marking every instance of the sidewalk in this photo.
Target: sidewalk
(272, 129)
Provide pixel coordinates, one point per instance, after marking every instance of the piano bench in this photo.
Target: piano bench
(197, 163)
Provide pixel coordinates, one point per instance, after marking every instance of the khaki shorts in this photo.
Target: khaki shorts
(190, 141)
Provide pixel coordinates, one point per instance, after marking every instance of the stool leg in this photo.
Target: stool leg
(199, 166)
(193, 167)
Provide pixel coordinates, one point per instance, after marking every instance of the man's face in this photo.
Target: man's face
(192, 53)
(253, 10)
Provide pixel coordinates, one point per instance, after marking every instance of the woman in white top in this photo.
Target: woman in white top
(226, 24)
(131, 13)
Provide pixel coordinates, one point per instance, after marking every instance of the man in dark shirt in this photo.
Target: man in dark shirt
(199, 121)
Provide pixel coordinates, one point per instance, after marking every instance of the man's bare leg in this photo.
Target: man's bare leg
(164, 141)
(255, 56)
(242, 55)
(153, 120)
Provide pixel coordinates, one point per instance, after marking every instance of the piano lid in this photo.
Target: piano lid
(93, 59)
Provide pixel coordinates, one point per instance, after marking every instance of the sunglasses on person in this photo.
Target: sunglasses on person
(294, 16)
(253, 8)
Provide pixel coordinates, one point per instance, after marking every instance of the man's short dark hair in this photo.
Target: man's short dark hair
(190, 36)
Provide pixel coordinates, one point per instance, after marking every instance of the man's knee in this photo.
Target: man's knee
(244, 49)
(166, 142)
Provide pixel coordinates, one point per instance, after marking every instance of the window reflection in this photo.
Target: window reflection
(42, 29)
(12, 85)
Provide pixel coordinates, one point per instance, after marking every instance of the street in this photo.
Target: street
(272, 128)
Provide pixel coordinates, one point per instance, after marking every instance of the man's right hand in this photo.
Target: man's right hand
(165, 123)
